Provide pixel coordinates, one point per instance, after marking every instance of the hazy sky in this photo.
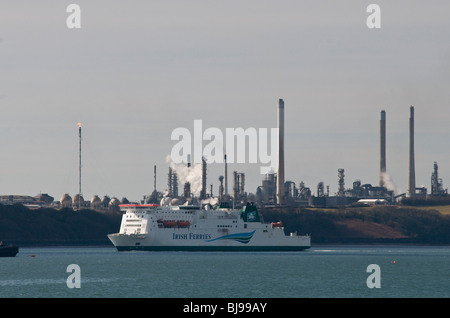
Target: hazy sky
(136, 70)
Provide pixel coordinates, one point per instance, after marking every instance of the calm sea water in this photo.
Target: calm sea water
(330, 272)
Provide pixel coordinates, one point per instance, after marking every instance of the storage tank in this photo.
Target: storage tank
(78, 200)
(114, 202)
(96, 202)
(66, 201)
(105, 201)
(165, 201)
(175, 201)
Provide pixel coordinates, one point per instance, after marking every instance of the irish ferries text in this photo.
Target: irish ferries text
(191, 236)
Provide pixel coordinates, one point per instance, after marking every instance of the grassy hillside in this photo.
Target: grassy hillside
(443, 209)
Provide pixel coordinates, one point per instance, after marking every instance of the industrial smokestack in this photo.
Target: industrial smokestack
(79, 168)
(412, 174)
(221, 188)
(187, 184)
(382, 148)
(226, 176)
(203, 191)
(154, 178)
(280, 173)
(170, 182)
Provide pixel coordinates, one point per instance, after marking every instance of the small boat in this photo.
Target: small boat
(8, 250)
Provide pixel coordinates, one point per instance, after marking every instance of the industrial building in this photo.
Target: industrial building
(270, 190)
(25, 199)
(276, 191)
(273, 191)
(437, 185)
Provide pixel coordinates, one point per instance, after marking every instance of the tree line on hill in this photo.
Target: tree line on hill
(47, 226)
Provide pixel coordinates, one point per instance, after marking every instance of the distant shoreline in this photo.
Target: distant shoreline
(388, 225)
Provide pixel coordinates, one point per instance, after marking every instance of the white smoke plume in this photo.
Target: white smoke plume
(192, 174)
(388, 183)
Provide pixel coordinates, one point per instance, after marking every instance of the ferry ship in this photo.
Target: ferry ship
(150, 227)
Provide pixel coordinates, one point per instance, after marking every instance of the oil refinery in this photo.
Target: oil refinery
(276, 189)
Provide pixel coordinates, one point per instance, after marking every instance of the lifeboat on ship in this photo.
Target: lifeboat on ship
(169, 223)
(183, 223)
(277, 224)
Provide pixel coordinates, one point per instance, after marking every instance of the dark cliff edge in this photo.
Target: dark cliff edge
(350, 225)
(51, 227)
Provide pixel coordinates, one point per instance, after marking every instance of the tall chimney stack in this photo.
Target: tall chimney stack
(226, 176)
(412, 174)
(382, 147)
(79, 168)
(154, 178)
(203, 190)
(280, 173)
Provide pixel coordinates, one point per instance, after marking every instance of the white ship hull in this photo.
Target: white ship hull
(177, 228)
